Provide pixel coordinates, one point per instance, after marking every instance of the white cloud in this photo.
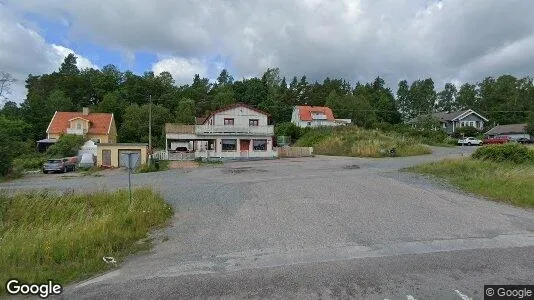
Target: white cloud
(355, 39)
(61, 52)
(23, 51)
(182, 69)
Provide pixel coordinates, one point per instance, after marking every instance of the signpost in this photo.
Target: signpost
(129, 160)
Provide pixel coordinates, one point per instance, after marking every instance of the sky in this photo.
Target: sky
(450, 40)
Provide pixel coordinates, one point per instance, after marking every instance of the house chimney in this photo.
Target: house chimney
(85, 111)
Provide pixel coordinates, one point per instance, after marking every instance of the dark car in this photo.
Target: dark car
(58, 165)
(182, 149)
(524, 140)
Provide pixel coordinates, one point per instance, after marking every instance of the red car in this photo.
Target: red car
(497, 140)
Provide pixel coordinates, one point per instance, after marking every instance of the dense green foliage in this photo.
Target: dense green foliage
(466, 132)
(288, 129)
(64, 237)
(503, 100)
(67, 145)
(512, 153)
(14, 141)
(502, 181)
(30, 161)
(355, 141)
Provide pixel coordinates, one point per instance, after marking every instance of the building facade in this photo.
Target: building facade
(514, 131)
(315, 116)
(98, 127)
(237, 131)
(452, 121)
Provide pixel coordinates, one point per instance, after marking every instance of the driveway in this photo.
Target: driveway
(323, 227)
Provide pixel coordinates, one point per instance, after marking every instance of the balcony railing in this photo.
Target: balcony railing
(234, 130)
(75, 131)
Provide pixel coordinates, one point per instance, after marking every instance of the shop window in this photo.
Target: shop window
(260, 145)
(229, 145)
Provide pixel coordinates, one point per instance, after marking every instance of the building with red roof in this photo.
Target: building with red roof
(315, 116)
(98, 127)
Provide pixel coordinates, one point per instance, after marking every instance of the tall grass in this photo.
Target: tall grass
(64, 237)
(354, 141)
(504, 181)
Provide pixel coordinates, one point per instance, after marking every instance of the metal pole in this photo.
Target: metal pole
(150, 129)
(129, 176)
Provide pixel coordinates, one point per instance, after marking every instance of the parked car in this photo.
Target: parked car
(524, 140)
(497, 140)
(182, 149)
(59, 165)
(469, 141)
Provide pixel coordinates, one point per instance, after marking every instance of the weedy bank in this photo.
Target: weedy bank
(499, 172)
(65, 237)
(355, 141)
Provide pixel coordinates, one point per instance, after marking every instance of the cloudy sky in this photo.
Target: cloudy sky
(449, 40)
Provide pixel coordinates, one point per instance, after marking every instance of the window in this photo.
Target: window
(229, 145)
(78, 126)
(260, 145)
(96, 140)
(228, 121)
(253, 122)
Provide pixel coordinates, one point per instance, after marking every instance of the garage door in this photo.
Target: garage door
(123, 159)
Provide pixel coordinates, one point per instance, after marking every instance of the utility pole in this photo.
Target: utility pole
(150, 130)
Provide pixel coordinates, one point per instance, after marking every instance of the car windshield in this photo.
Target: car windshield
(54, 161)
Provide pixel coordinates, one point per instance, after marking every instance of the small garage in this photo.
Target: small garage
(112, 155)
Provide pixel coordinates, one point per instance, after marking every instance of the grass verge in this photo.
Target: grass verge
(162, 165)
(354, 141)
(503, 181)
(65, 237)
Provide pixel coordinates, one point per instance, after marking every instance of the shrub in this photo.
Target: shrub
(514, 153)
(146, 168)
(67, 145)
(287, 129)
(30, 161)
(155, 166)
(466, 131)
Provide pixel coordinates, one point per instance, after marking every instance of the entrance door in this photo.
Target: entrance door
(244, 145)
(106, 158)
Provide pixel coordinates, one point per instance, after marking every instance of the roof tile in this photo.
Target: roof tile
(100, 122)
(305, 112)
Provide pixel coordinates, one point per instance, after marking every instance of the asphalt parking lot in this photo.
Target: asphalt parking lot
(322, 227)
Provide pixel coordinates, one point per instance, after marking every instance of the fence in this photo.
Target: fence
(295, 151)
(164, 155)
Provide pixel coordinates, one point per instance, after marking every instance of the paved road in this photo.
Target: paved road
(323, 227)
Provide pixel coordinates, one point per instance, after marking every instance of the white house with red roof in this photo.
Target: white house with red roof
(236, 131)
(315, 116)
(97, 127)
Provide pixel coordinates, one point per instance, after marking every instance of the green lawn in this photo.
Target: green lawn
(503, 181)
(64, 238)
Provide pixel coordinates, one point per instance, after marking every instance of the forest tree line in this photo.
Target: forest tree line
(502, 100)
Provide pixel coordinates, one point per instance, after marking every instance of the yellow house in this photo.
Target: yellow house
(98, 127)
(111, 155)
